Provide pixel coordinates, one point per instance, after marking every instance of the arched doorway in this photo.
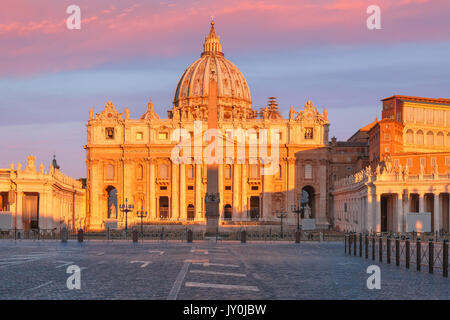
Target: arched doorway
(112, 202)
(254, 208)
(164, 207)
(190, 212)
(227, 212)
(307, 200)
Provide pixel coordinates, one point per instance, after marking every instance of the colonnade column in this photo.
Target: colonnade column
(152, 208)
(400, 226)
(436, 212)
(221, 190)
(421, 202)
(183, 213)
(175, 213)
(236, 209)
(377, 220)
(198, 191)
(244, 186)
(290, 184)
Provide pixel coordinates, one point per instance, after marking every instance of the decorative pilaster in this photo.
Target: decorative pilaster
(198, 191)
(175, 212)
(236, 188)
(152, 212)
(183, 213)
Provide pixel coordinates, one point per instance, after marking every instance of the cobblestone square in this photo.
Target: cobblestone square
(203, 270)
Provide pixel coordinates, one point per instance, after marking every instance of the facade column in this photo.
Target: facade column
(183, 212)
(175, 212)
(421, 202)
(19, 210)
(244, 187)
(236, 209)
(198, 191)
(436, 212)
(400, 225)
(152, 210)
(221, 190)
(377, 220)
(291, 185)
(266, 207)
(321, 213)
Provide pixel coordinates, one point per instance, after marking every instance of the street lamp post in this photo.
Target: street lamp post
(142, 214)
(298, 210)
(281, 215)
(125, 208)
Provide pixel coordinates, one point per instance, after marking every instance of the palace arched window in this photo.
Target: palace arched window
(419, 137)
(430, 138)
(440, 139)
(409, 137)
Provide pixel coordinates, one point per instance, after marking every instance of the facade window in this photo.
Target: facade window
(140, 172)
(228, 172)
(109, 132)
(163, 136)
(109, 172)
(255, 188)
(430, 138)
(440, 139)
(345, 207)
(190, 188)
(309, 133)
(228, 188)
(164, 171)
(409, 137)
(308, 171)
(254, 171)
(190, 172)
(139, 136)
(419, 137)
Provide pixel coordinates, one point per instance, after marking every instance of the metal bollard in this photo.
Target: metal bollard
(345, 243)
(380, 249)
(367, 246)
(189, 235)
(243, 236)
(350, 238)
(445, 259)
(388, 250)
(64, 235)
(397, 252)
(80, 235)
(135, 236)
(373, 247)
(354, 246)
(360, 244)
(430, 256)
(418, 254)
(407, 253)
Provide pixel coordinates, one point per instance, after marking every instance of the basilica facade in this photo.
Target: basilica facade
(133, 160)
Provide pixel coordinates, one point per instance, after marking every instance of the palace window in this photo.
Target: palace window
(254, 171)
(163, 171)
(308, 171)
(409, 137)
(228, 172)
(430, 138)
(190, 188)
(109, 132)
(309, 133)
(140, 172)
(228, 188)
(190, 172)
(440, 139)
(163, 135)
(139, 136)
(419, 137)
(109, 172)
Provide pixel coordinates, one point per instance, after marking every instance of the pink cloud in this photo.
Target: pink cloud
(34, 38)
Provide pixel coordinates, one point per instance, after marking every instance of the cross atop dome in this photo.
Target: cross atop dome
(212, 43)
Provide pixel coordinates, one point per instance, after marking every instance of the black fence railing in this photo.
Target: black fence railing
(422, 255)
(169, 234)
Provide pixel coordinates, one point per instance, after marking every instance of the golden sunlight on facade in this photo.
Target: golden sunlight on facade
(131, 158)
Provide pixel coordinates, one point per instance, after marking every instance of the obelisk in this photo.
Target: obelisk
(212, 197)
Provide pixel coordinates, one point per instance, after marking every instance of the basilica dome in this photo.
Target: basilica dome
(193, 87)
